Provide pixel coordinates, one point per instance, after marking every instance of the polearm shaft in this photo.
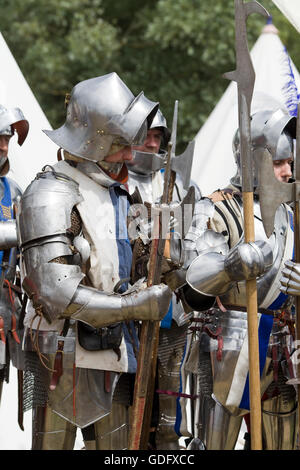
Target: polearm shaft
(244, 75)
(254, 372)
(149, 337)
(251, 287)
(297, 248)
(146, 367)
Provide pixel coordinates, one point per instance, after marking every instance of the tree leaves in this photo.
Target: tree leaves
(170, 49)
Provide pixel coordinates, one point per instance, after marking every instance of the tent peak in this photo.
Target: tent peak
(270, 29)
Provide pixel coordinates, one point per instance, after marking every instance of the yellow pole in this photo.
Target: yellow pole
(254, 373)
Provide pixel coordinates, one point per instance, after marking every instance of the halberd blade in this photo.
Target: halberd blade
(182, 164)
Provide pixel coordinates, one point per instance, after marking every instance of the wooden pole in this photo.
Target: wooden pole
(253, 345)
(149, 338)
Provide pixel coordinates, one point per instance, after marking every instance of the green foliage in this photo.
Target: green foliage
(170, 49)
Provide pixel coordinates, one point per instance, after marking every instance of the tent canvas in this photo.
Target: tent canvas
(38, 149)
(213, 164)
(25, 161)
(290, 9)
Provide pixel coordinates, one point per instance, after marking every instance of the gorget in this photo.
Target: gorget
(149, 186)
(96, 173)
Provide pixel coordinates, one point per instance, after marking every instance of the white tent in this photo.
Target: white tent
(213, 164)
(291, 9)
(38, 149)
(25, 161)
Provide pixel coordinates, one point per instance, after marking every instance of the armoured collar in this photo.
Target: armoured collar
(97, 174)
(104, 173)
(145, 163)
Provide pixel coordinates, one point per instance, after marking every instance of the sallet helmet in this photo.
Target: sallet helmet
(11, 120)
(272, 129)
(102, 111)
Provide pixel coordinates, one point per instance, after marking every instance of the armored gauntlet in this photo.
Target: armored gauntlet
(99, 309)
(214, 274)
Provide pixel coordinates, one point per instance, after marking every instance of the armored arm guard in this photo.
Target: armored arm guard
(53, 252)
(8, 229)
(214, 274)
(213, 269)
(8, 234)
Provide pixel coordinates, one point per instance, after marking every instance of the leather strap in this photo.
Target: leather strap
(13, 317)
(220, 347)
(13, 328)
(20, 399)
(58, 361)
(58, 365)
(107, 386)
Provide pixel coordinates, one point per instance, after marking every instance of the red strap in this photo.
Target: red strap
(13, 317)
(2, 332)
(13, 329)
(107, 386)
(220, 305)
(220, 348)
(177, 394)
(58, 366)
(212, 334)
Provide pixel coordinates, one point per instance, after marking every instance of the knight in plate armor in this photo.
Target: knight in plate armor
(215, 366)
(80, 340)
(12, 121)
(145, 183)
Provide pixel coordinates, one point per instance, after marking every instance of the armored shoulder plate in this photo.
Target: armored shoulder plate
(46, 205)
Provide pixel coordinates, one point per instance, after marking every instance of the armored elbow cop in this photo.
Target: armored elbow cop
(214, 274)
